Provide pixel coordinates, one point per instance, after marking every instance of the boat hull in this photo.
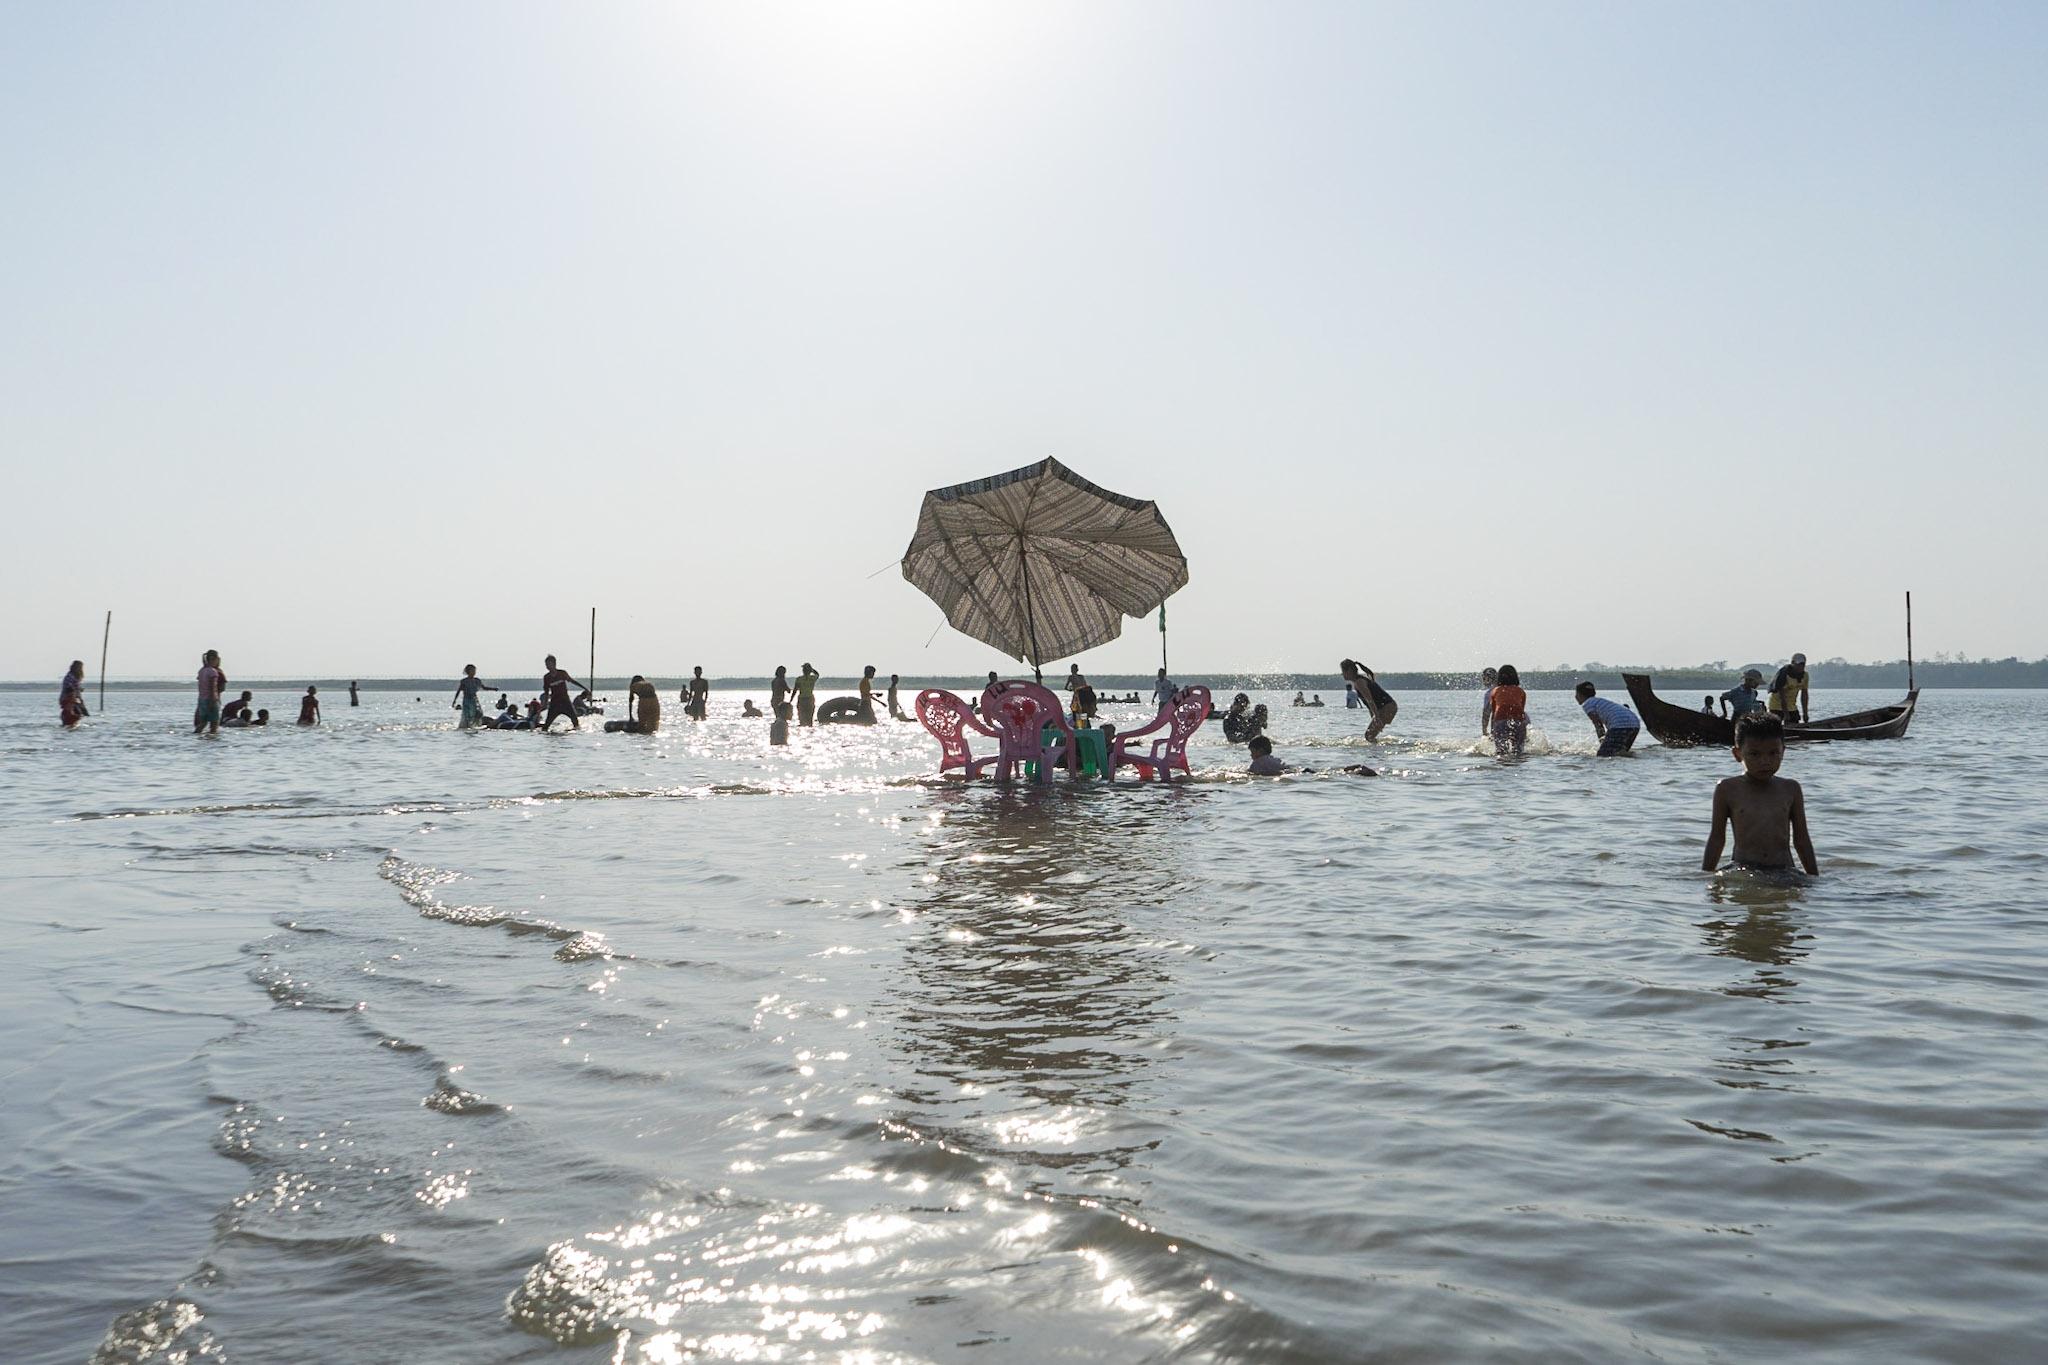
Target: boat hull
(1679, 727)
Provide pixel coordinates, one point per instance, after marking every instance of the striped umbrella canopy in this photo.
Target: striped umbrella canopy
(1041, 563)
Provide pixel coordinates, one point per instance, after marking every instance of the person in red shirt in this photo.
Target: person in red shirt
(1510, 712)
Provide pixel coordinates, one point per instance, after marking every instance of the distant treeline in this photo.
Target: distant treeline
(1708, 677)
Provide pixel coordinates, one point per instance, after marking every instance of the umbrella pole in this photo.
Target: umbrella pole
(1030, 623)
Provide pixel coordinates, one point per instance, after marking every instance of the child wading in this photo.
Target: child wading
(1510, 710)
(1768, 811)
(1614, 724)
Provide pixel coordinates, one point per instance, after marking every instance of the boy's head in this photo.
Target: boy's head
(782, 710)
(697, 672)
(868, 672)
(550, 661)
(1260, 746)
(1584, 690)
(1760, 744)
(637, 679)
(248, 696)
(1752, 676)
(312, 691)
(1708, 699)
(262, 714)
(892, 680)
(1489, 675)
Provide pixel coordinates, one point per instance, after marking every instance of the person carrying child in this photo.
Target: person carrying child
(1767, 811)
(71, 695)
(1616, 727)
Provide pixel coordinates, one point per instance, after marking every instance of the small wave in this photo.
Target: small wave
(450, 1098)
(171, 1331)
(417, 885)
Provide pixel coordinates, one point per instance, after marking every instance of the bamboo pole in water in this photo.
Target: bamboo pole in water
(590, 678)
(1909, 639)
(105, 636)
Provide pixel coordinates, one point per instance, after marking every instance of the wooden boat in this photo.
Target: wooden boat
(1680, 727)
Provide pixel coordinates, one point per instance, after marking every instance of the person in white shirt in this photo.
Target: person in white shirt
(1163, 691)
(1616, 725)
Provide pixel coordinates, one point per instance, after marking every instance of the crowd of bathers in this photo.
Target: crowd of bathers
(1503, 712)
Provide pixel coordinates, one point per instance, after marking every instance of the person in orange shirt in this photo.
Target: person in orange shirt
(1510, 712)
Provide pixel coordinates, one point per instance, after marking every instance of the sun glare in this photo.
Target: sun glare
(888, 60)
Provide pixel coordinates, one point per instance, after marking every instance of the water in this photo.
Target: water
(383, 1043)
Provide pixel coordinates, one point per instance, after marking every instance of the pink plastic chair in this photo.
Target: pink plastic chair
(1169, 751)
(1021, 712)
(948, 720)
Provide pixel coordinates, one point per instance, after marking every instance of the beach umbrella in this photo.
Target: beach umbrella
(1041, 563)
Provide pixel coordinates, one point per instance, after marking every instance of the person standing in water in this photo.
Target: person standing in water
(807, 696)
(554, 685)
(1614, 725)
(212, 682)
(1163, 691)
(1768, 812)
(309, 707)
(867, 695)
(1487, 678)
(895, 706)
(1510, 713)
(71, 695)
(1371, 695)
(778, 690)
(353, 699)
(700, 694)
(1790, 700)
(466, 697)
(643, 710)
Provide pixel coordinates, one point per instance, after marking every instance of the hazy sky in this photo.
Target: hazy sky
(381, 338)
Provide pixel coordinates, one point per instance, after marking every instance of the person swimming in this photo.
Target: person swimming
(1264, 764)
(749, 711)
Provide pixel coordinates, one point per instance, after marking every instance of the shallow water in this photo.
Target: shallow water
(381, 1042)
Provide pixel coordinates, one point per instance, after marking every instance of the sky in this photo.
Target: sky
(377, 339)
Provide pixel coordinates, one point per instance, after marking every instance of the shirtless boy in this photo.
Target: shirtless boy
(1764, 807)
